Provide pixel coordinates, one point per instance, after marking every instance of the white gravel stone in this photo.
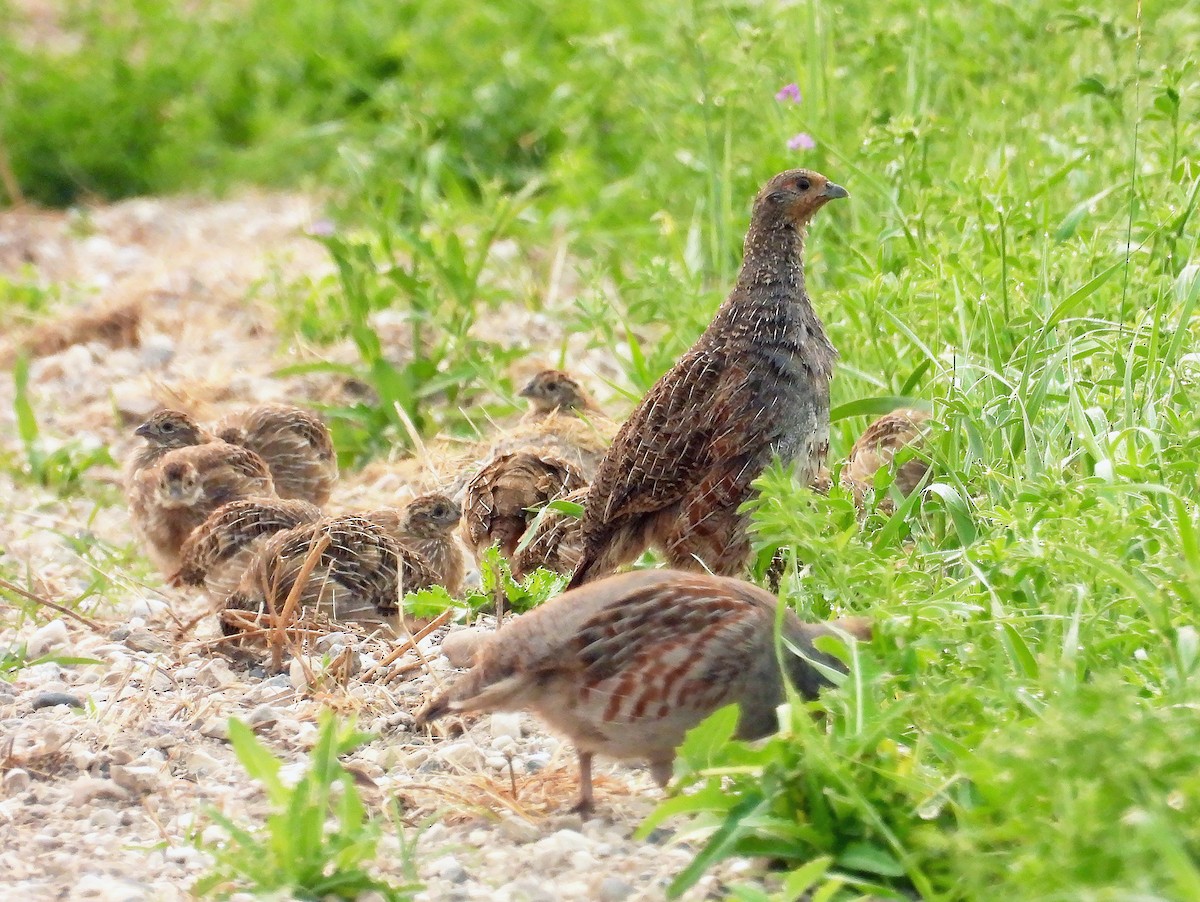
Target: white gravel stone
(460, 754)
(51, 636)
(506, 724)
(136, 780)
(15, 781)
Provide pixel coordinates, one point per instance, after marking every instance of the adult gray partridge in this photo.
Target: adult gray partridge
(427, 525)
(221, 548)
(359, 574)
(503, 498)
(178, 493)
(755, 384)
(877, 448)
(295, 443)
(625, 666)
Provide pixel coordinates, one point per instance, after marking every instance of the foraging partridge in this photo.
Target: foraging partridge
(877, 448)
(426, 525)
(221, 548)
(555, 542)
(295, 443)
(497, 503)
(754, 385)
(627, 665)
(359, 574)
(171, 498)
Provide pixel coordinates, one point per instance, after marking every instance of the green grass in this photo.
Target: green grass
(1020, 250)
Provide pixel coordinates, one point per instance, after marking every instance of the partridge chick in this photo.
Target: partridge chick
(295, 443)
(553, 391)
(221, 548)
(498, 500)
(556, 541)
(358, 575)
(626, 666)
(165, 431)
(426, 525)
(171, 498)
(877, 448)
(754, 385)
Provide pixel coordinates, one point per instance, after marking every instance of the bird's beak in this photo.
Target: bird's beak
(143, 430)
(833, 192)
(527, 391)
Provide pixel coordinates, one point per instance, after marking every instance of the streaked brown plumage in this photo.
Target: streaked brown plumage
(221, 548)
(174, 496)
(556, 541)
(359, 576)
(165, 431)
(877, 448)
(552, 391)
(294, 442)
(626, 665)
(496, 505)
(754, 385)
(426, 525)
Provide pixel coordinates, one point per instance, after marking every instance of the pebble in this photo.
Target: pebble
(526, 889)
(460, 646)
(198, 762)
(54, 699)
(87, 789)
(50, 636)
(506, 724)
(449, 868)
(157, 350)
(149, 608)
(517, 830)
(215, 728)
(262, 716)
(136, 780)
(144, 640)
(460, 754)
(613, 889)
(16, 780)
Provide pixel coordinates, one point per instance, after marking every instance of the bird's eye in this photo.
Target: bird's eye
(439, 511)
(167, 426)
(803, 184)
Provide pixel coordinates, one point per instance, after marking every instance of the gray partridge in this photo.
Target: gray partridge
(175, 495)
(553, 391)
(877, 448)
(553, 541)
(426, 525)
(221, 548)
(754, 385)
(625, 666)
(502, 499)
(359, 575)
(295, 443)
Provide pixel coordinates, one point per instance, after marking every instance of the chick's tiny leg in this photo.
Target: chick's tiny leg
(586, 804)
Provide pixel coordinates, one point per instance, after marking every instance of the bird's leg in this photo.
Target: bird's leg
(661, 771)
(586, 804)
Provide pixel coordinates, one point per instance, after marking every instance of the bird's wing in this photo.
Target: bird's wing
(683, 424)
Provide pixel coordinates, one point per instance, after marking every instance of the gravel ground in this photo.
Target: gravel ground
(107, 769)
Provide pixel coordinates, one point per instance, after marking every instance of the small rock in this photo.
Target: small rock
(54, 699)
(449, 868)
(144, 640)
(157, 350)
(48, 637)
(262, 716)
(215, 728)
(87, 789)
(105, 818)
(460, 646)
(536, 761)
(506, 723)
(517, 830)
(216, 673)
(16, 780)
(526, 889)
(460, 754)
(326, 643)
(149, 609)
(199, 762)
(138, 781)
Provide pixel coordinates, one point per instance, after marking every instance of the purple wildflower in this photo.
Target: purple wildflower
(802, 141)
(789, 92)
(321, 228)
